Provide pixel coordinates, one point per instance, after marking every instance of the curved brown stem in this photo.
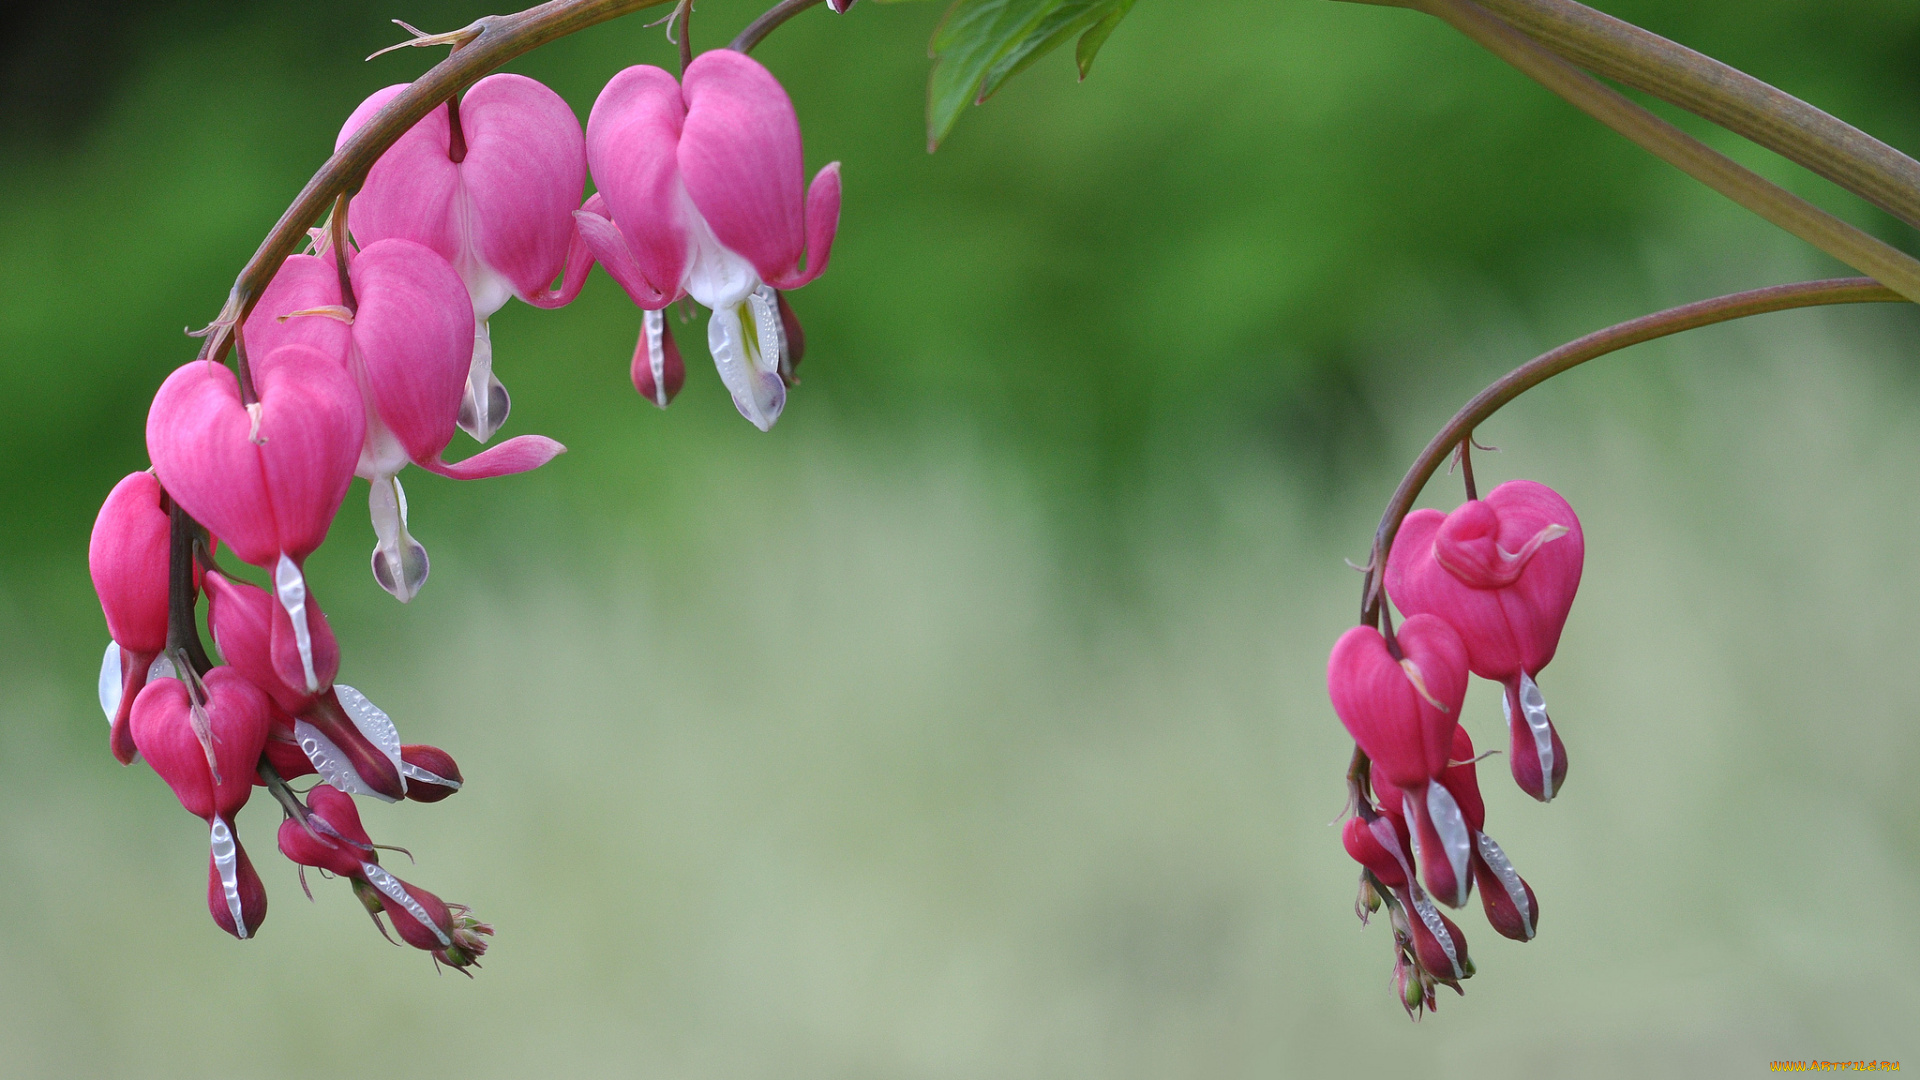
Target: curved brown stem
(1718, 92)
(1844, 242)
(1725, 95)
(767, 23)
(1571, 355)
(487, 44)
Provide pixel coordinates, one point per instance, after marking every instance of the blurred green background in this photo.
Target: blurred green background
(972, 723)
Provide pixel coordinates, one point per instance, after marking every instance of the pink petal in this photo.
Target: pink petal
(573, 278)
(632, 134)
(271, 496)
(413, 335)
(1406, 734)
(522, 453)
(128, 558)
(823, 220)
(600, 236)
(412, 192)
(303, 283)
(525, 168)
(740, 157)
(238, 714)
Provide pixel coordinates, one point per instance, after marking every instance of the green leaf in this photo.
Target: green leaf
(1069, 18)
(982, 43)
(1097, 36)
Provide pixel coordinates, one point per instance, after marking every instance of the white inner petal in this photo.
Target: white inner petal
(112, 682)
(654, 325)
(1447, 820)
(226, 860)
(734, 342)
(716, 277)
(1534, 705)
(1496, 859)
(331, 763)
(391, 888)
(292, 589)
(1431, 917)
(415, 772)
(373, 722)
(400, 562)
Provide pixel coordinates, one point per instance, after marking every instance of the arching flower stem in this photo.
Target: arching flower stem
(1830, 234)
(1571, 355)
(1742, 104)
(759, 28)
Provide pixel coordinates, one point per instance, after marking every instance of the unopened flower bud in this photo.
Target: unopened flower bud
(658, 371)
(235, 895)
(431, 772)
(1437, 943)
(1368, 901)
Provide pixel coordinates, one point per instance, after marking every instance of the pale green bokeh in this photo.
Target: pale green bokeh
(972, 724)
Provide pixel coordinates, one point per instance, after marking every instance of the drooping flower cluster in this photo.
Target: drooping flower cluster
(1486, 590)
(369, 354)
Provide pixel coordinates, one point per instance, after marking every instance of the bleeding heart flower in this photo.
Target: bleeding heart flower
(266, 478)
(128, 558)
(344, 737)
(407, 344)
(1511, 907)
(496, 201)
(1503, 572)
(702, 193)
(206, 751)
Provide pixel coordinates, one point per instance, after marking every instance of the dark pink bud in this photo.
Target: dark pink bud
(335, 842)
(1401, 712)
(431, 772)
(206, 755)
(1510, 904)
(658, 372)
(1437, 943)
(1380, 845)
(257, 638)
(419, 917)
(235, 895)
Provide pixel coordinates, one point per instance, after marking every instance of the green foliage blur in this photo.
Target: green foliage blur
(969, 724)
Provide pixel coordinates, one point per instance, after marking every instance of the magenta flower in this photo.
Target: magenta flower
(1402, 712)
(702, 193)
(407, 344)
(206, 752)
(345, 738)
(127, 557)
(1510, 904)
(334, 840)
(496, 202)
(1503, 572)
(267, 478)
